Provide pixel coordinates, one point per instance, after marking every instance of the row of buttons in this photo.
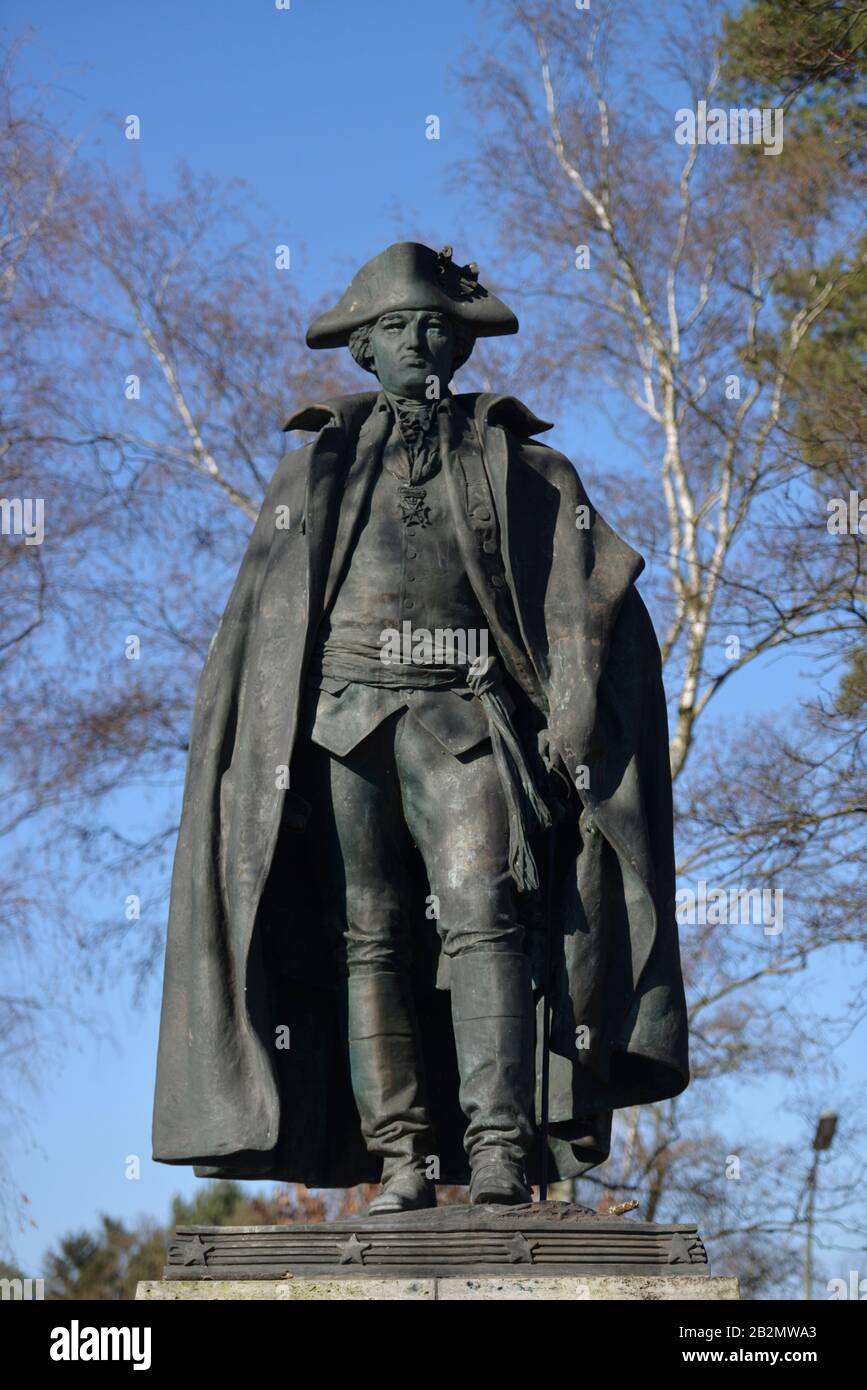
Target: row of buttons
(410, 533)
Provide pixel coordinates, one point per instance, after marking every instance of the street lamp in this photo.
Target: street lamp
(826, 1128)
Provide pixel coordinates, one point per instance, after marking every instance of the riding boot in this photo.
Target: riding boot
(388, 1085)
(492, 1011)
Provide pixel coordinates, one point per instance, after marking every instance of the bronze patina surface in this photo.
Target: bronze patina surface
(422, 923)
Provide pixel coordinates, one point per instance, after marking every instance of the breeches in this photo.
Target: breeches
(400, 788)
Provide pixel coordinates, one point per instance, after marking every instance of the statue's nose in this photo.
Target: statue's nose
(413, 340)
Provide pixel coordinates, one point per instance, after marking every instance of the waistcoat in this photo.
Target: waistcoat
(406, 566)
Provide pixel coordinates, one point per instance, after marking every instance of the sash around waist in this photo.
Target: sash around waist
(399, 664)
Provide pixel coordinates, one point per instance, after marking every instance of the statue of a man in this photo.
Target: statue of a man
(428, 804)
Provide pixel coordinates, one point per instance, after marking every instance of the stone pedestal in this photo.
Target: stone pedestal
(541, 1250)
(592, 1288)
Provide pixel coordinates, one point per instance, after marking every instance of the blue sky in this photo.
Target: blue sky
(322, 110)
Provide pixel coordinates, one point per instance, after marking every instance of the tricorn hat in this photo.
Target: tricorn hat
(411, 276)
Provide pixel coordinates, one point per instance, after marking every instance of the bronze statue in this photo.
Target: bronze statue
(425, 866)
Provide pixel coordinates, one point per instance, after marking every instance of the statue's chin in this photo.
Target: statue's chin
(413, 386)
(410, 390)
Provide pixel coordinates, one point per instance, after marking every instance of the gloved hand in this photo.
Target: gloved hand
(560, 787)
(549, 754)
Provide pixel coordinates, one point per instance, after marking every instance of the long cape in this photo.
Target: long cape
(252, 1079)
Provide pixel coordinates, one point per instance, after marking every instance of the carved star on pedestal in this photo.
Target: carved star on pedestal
(520, 1250)
(193, 1252)
(351, 1252)
(680, 1250)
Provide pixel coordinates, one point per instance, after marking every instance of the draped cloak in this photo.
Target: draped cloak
(252, 1076)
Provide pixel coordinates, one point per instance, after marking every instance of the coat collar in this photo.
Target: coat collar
(487, 408)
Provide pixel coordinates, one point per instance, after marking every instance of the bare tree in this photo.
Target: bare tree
(689, 285)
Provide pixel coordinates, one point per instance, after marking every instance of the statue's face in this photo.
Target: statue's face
(409, 347)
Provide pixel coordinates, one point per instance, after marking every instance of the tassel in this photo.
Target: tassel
(527, 811)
